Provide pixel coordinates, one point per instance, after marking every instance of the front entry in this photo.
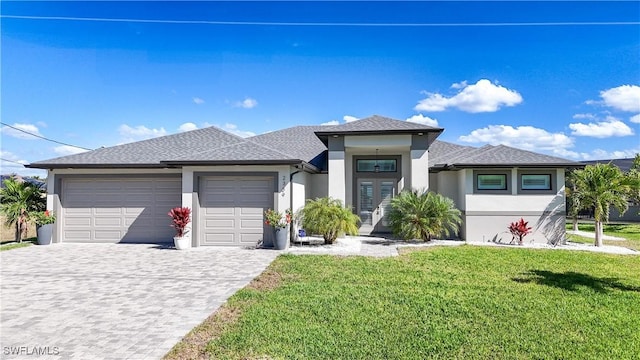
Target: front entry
(373, 204)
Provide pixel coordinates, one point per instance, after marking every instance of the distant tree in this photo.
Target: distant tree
(633, 177)
(420, 214)
(17, 200)
(573, 199)
(598, 187)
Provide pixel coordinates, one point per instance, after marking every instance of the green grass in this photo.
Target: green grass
(14, 245)
(630, 232)
(466, 302)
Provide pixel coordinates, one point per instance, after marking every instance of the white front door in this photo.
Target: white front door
(373, 204)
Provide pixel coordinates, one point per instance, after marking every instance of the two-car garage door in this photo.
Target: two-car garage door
(134, 209)
(113, 209)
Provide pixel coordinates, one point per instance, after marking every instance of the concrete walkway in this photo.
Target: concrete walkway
(93, 301)
(591, 235)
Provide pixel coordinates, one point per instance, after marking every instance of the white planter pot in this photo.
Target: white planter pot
(44, 233)
(182, 242)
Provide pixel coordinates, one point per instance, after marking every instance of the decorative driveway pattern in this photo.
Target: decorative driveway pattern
(116, 301)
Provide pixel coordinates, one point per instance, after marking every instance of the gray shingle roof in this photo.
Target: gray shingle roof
(377, 123)
(297, 141)
(149, 152)
(245, 151)
(466, 156)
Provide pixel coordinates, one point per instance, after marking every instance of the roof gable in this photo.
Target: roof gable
(377, 124)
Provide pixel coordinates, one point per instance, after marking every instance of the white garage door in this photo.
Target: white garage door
(119, 209)
(232, 208)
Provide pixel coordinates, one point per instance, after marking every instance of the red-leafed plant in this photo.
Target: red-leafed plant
(180, 218)
(519, 230)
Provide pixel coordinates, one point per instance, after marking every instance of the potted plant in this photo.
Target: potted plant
(280, 224)
(44, 225)
(180, 218)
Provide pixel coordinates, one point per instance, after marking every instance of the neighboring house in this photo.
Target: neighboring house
(123, 193)
(633, 213)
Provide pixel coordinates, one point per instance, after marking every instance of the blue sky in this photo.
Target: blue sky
(561, 78)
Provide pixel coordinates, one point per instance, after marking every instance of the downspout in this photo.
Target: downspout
(291, 197)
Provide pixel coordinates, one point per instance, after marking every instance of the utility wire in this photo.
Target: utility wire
(266, 23)
(11, 161)
(44, 138)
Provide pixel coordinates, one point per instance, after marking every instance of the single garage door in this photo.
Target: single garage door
(114, 210)
(232, 208)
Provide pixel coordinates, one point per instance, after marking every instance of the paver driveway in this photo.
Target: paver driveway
(116, 301)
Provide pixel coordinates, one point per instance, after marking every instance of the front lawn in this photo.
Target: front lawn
(467, 302)
(9, 245)
(630, 232)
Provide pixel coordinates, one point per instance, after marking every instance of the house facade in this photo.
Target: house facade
(123, 193)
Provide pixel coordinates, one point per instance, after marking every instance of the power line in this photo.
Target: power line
(11, 161)
(364, 24)
(44, 138)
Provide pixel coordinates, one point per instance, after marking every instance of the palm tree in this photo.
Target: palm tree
(598, 187)
(17, 200)
(328, 217)
(420, 214)
(573, 198)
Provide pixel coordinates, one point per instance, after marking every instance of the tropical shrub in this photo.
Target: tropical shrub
(43, 217)
(420, 214)
(519, 230)
(329, 218)
(19, 199)
(180, 218)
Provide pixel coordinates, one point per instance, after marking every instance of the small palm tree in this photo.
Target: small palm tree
(17, 200)
(328, 217)
(599, 187)
(420, 214)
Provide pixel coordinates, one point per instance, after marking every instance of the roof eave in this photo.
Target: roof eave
(233, 162)
(324, 135)
(97, 166)
(512, 165)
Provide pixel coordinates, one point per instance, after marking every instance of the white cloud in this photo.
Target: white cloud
(585, 116)
(460, 85)
(601, 129)
(424, 120)
(67, 150)
(139, 132)
(247, 103)
(635, 119)
(30, 128)
(198, 101)
(524, 137)
(349, 118)
(625, 98)
(483, 96)
(331, 123)
(599, 154)
(233, 128)
(188, 126)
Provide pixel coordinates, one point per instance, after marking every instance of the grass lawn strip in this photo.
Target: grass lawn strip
(630, 232)
(466, 302)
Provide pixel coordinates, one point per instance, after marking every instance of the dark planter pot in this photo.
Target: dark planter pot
(44, 233)
(281, 239)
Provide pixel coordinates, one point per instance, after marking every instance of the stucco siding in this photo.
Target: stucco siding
(547, 228)
(319, 185)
